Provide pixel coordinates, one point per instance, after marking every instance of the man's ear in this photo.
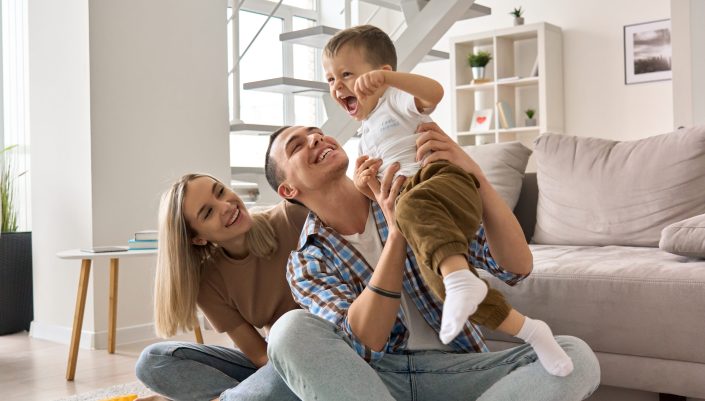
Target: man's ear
(287, 192)
(199, 241)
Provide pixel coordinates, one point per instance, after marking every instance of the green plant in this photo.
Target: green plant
(517, 12)
(530, 113)
(479, 59)
(7, 193)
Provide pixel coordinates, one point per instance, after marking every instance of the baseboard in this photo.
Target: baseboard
(92, 339)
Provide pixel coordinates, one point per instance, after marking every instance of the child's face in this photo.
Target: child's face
(341, 72)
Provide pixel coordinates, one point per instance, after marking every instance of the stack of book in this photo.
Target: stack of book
(145, 239)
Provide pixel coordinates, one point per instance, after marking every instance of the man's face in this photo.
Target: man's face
(308, 159)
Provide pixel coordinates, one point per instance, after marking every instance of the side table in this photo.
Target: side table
(86, 259)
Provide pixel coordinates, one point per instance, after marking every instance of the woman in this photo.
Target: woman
(232, 265)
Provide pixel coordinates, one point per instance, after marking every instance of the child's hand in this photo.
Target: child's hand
(368, 83)
(365, 170)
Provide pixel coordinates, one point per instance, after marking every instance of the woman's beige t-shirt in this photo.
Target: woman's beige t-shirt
(253, 290)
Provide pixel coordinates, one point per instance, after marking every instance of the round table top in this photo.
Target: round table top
(79, 254)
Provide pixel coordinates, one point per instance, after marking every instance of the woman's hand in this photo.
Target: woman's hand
(386, 192)
(365, 171)
(436, 145)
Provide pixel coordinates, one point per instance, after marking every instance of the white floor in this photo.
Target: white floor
(35, 370)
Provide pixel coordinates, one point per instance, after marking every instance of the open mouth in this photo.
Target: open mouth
(323, 155)
(350, 103)
(233, 218)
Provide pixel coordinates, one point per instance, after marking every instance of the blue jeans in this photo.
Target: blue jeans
(188, 371)
(315, 358)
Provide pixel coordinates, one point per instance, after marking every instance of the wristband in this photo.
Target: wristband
(383, 292)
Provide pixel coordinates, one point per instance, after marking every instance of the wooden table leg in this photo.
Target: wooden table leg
(78, 318)
(112, 307)
(197, 332)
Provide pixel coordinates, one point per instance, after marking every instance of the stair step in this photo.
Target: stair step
(253, 129)
(476, 10)
(288, 85)
(318, 36)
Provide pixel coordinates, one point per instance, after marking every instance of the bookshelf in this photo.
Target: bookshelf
(514, 52)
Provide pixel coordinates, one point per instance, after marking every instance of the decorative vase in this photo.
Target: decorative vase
(530, 122)
(478, 73)
(518, 21)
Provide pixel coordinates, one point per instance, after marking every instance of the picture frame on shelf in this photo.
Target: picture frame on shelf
(647, 52)
(481, 120)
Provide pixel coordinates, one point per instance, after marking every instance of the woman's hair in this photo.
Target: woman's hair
(180, 263)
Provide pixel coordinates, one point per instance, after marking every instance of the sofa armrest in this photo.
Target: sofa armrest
(525, 210)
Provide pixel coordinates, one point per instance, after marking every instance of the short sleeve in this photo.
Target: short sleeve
(405, 104)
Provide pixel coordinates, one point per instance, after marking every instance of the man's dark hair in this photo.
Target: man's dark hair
(272, 172)
(378, 48)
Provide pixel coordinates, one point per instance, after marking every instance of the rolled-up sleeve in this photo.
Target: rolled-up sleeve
(481, 257)
(323, 291)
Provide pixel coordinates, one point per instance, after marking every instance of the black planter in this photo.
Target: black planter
(16, 305)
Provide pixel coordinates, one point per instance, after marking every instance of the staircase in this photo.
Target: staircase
(426, 22)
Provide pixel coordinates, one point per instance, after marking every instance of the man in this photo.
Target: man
(356, 276)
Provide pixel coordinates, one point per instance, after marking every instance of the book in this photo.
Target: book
(505, 115)
(481, 120)
(142, 244)
(146, 235)
(104, 249)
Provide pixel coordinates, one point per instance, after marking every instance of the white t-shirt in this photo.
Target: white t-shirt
(421, 335)
(389, 132)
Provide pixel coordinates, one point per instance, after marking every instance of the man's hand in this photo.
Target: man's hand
(365, 171)
(436, 145)
(386, 193)
(367, 84)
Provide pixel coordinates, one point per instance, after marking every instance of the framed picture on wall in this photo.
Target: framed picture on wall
(647, 52)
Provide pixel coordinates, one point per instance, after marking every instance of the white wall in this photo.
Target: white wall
(106, 147)
(597, 102)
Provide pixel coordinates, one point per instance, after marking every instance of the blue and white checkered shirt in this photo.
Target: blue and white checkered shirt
(326, 274)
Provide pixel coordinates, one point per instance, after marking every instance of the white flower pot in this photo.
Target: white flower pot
(478, 73)
(518, 21)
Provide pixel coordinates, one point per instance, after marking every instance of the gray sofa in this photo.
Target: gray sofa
(641, 309)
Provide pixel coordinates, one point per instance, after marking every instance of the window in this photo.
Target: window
(267, 58)
(14, 118)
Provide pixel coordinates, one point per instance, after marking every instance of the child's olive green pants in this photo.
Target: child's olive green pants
(439, 212)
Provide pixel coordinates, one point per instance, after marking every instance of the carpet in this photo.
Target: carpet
(113, 391)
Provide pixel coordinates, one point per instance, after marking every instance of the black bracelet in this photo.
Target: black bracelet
(383, 292)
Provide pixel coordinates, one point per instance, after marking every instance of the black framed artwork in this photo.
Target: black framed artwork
(647, 52)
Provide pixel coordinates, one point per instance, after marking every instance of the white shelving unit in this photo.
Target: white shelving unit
(514, 51)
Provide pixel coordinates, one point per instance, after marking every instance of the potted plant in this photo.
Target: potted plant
(16, 305)
(530, 120)
(478, 61)
(517, 12)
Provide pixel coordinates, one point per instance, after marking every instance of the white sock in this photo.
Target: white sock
(551, 355)
(464, 291)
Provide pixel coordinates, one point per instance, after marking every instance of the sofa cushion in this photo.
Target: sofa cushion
(601, 192)
(685, 237)
(504, 165)
(624, 300)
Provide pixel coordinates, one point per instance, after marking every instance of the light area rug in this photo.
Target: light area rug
(113, 391)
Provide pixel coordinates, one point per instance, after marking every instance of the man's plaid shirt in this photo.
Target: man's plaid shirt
(326, 274)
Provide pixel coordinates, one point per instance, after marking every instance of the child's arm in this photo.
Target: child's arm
(427, 92)
(366, 169)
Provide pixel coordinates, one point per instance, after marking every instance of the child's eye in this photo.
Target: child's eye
(347, 74)
(329, 79)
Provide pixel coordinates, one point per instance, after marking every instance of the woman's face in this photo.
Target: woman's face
(214, 212)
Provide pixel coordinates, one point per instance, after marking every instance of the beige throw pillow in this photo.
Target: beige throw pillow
(504, 165)
(600, 192)
(685, 237)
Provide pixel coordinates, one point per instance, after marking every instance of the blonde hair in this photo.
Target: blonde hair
(180, 263)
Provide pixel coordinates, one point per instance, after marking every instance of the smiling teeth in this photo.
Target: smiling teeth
(235, 216)
(324, 154)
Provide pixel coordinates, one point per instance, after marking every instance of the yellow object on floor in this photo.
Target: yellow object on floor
(128, 397)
